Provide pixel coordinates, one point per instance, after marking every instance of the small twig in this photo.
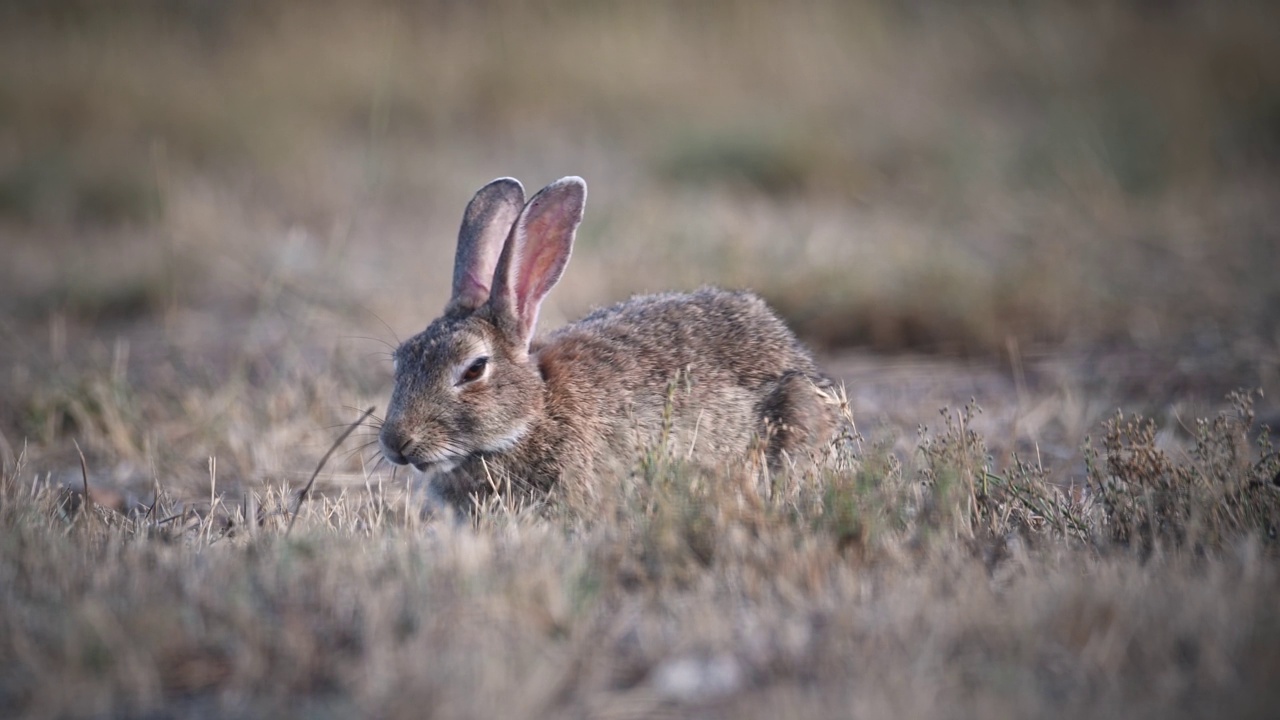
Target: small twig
(155, 494)
(336, 443)
(84, 475)
(171, 518)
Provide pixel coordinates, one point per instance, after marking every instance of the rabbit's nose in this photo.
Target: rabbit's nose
(393, 445)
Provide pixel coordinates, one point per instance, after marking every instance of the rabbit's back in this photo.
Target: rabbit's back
(699, 370)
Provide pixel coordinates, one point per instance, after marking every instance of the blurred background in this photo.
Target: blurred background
(207, 194)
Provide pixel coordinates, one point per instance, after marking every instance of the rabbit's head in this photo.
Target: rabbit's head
(465, 386)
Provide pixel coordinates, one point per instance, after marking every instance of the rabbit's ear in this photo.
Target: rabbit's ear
(485, 226)
(537, 251)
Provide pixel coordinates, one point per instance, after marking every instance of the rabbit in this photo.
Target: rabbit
(479, 402)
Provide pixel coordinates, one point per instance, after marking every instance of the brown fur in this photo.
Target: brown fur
(713, 372)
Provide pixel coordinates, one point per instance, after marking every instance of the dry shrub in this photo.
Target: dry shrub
(1225, 489)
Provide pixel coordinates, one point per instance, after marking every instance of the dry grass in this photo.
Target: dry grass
(926, 589)
(215, 217)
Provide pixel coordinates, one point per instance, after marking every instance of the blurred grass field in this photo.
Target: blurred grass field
(216, 217)
(904, 176)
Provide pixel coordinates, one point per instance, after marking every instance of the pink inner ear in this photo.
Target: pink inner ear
(548, 236)
(538, 272)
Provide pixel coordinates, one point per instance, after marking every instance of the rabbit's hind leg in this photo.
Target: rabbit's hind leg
(796, 419)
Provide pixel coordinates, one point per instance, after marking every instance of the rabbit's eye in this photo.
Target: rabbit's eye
(475, 371)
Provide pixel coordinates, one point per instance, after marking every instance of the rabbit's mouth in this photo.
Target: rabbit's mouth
(438, 460)
(447, 459)
(437, 466)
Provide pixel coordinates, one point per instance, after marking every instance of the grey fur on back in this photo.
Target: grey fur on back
(711, 356)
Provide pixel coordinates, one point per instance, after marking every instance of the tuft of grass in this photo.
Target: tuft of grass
(971, 499)
(101, 408)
